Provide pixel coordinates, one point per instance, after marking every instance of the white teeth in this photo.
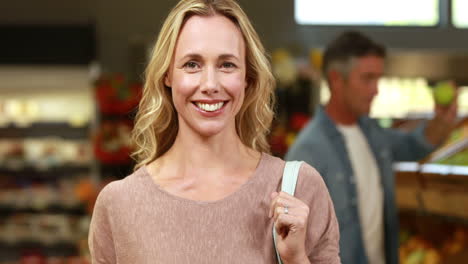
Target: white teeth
(210, 107)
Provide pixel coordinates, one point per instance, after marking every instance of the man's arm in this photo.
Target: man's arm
(444, 121)
(425, 138)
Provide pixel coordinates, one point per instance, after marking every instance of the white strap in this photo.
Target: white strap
(291, 171)
(288, 185)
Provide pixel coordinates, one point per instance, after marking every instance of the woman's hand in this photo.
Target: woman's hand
(290, 219)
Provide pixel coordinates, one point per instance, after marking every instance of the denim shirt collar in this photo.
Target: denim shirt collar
(330, 126)
(326, 122)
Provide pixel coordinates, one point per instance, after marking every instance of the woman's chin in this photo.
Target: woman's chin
(207, 128)
(210, 130)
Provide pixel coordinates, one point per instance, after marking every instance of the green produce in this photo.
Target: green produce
(444, 93)
(459, 159)
(416, 257)
(404, 235)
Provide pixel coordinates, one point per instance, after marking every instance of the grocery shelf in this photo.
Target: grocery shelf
(14, 251)
(8, 210)
(406, 212)
(45, 129)
(49, 173)
(118, 171)
(431, 169)
(433, 189)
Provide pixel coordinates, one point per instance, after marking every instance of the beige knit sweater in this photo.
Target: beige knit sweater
(135, 221)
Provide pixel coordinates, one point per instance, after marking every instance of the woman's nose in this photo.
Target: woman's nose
(210, 83)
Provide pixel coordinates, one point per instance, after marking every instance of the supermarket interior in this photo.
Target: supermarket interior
(71, 76)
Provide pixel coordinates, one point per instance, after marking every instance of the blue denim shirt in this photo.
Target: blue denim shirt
(321, 145)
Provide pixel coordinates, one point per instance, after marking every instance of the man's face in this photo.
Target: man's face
(360, 88)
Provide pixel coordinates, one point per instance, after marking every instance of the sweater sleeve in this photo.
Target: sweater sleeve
(100, 240)
(322, 242)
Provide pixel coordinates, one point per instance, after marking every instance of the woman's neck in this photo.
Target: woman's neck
(219, 154)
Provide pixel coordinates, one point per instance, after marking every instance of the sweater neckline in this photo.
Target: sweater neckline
(242, 188)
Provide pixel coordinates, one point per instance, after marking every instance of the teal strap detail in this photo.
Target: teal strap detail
(288, 185)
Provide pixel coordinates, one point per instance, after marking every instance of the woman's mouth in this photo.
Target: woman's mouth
(210, 107)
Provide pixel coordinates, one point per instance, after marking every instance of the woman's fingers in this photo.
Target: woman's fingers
(286, 223)
(284, 203)
(290, 216)
(281, 199)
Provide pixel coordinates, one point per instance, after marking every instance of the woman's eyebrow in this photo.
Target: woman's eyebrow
(192, 56)
(228, 56)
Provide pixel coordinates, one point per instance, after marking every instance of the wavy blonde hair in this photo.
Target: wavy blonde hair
(156, 123)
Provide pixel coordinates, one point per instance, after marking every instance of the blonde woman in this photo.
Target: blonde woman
(204, 189)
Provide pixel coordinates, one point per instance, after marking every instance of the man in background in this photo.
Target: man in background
(354, 154)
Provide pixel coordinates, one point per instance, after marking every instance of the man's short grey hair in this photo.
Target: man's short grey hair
(344, 67)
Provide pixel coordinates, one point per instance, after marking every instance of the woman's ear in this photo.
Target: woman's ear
(167, 80)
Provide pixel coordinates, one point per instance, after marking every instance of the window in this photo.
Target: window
(424, 13)
(460, 13)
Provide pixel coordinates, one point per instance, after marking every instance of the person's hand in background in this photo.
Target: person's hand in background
(445, 116)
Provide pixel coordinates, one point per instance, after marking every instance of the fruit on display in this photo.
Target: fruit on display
(284, 135)
(444, 93)
(456, 148)
(458, 159)
(298, 121)
(456, 242)
(112, 142)
(43, 153)
(277, 140)
(416, 249)
(87, 193)
(115, 95)
(284, 67)
(316, 58)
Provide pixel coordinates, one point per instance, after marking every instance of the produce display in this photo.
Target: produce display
(44, 153)
(458, 159)
(117, 99)
(427, 239)
(455, 150)
(436, 230)
(47, 190)
(116, 95)
(112, 142)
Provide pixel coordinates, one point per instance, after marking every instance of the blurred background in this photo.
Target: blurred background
(70, 81)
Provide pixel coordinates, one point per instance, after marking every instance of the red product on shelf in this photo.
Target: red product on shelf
(298, 121)
(32, 258)
(112, 142)
(115, 96)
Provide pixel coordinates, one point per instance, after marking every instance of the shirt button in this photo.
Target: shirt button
(339, 176)
(384, 154)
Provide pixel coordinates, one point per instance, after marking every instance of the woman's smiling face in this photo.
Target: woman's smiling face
(208, 75)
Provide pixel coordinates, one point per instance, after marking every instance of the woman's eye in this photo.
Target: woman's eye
(191, 65)
(228, 65)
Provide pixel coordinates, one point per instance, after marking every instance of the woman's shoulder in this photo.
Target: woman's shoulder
(310, 175)
(310, 185)
(123, 189)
